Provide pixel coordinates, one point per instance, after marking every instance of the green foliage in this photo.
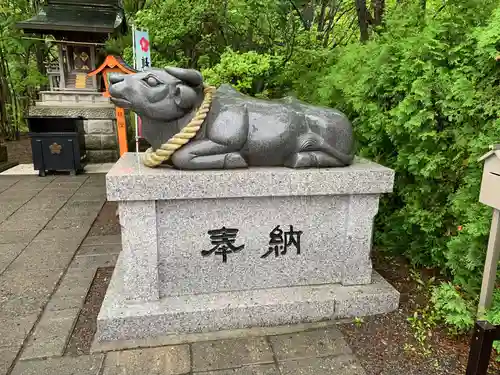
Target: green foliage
(20, 62)
(249, 72)
(493, 316)
(358, 322)
(423, 97)
(197, 33)
(422, 322)
(424, 319)
(451, 307)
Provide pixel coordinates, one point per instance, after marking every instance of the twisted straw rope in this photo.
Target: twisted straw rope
(155, 158)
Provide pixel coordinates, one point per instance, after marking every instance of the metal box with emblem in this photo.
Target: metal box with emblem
(57, 144)
(490, 185)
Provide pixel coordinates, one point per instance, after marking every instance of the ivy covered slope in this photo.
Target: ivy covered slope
(425, 96)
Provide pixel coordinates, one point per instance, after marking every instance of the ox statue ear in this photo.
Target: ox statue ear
(185, 97)
(189, 76)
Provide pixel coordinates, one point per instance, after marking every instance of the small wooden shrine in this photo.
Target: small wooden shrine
(115, 65)
(79, 27)
(78, 30)
(112, 64)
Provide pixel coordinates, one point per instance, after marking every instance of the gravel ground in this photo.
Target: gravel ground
(20, 151)
(86, 325)
(106, 222)
(385, 344)
(80, 342)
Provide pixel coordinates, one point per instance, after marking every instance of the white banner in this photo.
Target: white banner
(142, 50)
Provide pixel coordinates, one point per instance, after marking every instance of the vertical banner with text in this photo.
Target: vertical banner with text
(142, 61)
(142, 52)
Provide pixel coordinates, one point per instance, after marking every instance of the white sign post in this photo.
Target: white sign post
(489, 195)
(142, 61)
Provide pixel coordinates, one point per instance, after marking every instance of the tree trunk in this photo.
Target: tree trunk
(4, 98)
(378, 11)
(362, 12)
(329, 26)
(321, 19)
(299, 13)
(423, 5)
(40, 58)
(308, 13)
(14, 116)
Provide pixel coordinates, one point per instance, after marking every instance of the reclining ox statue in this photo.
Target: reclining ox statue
(192, 126)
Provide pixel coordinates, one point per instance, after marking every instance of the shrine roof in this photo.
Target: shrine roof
(100, 17)
(112, 61)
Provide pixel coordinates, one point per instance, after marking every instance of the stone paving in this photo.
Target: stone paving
(47, 265)
(28, 169)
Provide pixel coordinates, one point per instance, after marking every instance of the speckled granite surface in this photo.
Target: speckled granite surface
(130, 180)
(261, 246)
(122, 320)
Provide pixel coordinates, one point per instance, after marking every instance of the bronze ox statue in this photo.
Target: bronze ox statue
(191, 126)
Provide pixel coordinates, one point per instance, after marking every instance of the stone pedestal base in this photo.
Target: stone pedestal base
(120, 319)
(218, 250)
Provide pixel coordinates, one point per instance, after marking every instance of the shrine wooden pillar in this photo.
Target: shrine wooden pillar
(62, 71)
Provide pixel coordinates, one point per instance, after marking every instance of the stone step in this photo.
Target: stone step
(86, 110)
(73, 97)
(131, 322)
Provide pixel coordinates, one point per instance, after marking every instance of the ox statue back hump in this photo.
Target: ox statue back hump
(194, 127)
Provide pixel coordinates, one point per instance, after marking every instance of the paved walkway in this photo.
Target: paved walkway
(47, 265)
(28, 169)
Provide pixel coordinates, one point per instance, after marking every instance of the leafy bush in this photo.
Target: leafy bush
(196, 33)
(452, 308)
(424, 100)
(249, 72)
(493, 316)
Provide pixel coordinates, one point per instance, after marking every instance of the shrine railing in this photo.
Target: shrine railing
(54, 81)
(52, 67)
(54, 75)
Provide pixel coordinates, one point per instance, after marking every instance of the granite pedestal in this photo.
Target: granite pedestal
(229, 249)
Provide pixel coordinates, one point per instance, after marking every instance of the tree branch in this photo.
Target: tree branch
(440, 8)
(343, 36)
(299, 13)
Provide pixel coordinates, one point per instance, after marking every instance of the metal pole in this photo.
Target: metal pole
(135, 114)
(490, 265)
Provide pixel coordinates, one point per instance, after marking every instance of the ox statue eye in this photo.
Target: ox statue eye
(151, 81)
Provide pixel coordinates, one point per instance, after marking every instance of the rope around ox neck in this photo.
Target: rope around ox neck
(155, 158)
